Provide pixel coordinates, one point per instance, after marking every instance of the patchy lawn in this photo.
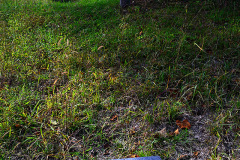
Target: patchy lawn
(86, 79)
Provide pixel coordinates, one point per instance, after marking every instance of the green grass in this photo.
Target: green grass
(81, 79)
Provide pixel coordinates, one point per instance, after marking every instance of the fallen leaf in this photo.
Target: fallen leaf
(186, 124)
(176, 132)
(179, 123)
(132, 156)
(162, 133)
(132, 132)
(114, 118)
(182, 157)
(67, 42)
(17, 125)
(183, 124)
(196, 153)
(54, 82)
(100, 48)
(64, 73)
(59, 42)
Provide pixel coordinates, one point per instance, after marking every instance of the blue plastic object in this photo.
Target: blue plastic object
(142, 158)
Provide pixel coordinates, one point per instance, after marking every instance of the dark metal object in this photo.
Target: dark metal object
(125, 3)
(142, 158)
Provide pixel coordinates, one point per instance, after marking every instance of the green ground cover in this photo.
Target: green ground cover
(85, 79)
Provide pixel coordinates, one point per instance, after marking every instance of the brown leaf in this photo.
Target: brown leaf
(182, 157)
(162, 133)
(141, 33)
(196, 153)
(132, 132)
(17, 125)
(178, 122)
(183, 124)
(59, 42)
(114, 118)
(100, 48)
(64, 73)
(67, 42)
(54, 82)
(176, 132)
(132, 156)
(186, 124)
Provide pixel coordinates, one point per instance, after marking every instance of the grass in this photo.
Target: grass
(81, 79)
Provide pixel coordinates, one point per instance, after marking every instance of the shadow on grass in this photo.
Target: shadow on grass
(90, 16)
